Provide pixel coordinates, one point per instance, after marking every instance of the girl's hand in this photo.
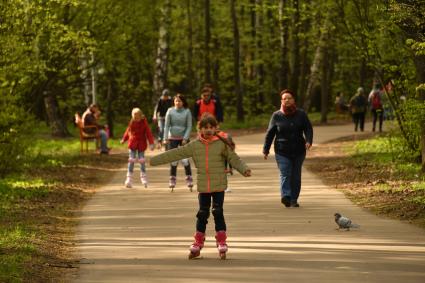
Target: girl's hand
(151, 146)
(247, 173)
(265, 156)
(122, 141)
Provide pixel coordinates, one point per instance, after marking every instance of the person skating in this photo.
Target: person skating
(178, 126)
(208, 152)
(136, 134)
(161, 107)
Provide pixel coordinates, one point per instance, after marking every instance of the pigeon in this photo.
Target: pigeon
(344, 222)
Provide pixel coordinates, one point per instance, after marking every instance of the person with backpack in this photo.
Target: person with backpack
(375, 103)
(207, 104)
(358, 106)
(161, 108)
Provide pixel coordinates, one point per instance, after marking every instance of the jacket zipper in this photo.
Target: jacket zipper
(207, 169)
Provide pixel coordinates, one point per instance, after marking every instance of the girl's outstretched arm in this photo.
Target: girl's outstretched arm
(175, 154)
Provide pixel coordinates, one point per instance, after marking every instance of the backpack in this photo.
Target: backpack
(376, 100)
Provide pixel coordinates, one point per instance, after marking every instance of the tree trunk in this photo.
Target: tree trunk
(317, 62)
(423, 147)
(236, 63)
(56, 122)
(259, 66)
(207, 41)
(253, 21)
(109, 111)
(363, 73)
(304, 64)
(324, 84)
(161, 62)
(295, 49)
(284, 65)
(190, 75)
(420, 79)
(216, 67)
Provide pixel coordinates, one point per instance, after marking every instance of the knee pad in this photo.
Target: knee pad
(131, 160)
(141, 160)
(217, 211)
(185, 162)
(203, 213)
(174, 163)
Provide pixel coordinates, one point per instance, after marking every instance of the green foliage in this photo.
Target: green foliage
(14, 131)
(413, 112)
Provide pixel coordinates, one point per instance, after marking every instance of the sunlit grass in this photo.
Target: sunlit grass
(15, 248)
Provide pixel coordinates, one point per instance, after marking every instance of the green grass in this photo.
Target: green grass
(387, 152)
(260, 121)
(16, 248)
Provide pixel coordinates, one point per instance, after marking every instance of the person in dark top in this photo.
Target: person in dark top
(358, 106)
(161, 107)
(292, 133)
(90, 118)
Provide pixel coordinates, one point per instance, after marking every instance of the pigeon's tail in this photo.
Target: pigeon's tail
(354, 225)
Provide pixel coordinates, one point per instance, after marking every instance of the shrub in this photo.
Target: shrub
(14, 134)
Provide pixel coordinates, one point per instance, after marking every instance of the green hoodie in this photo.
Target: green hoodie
(209, 157)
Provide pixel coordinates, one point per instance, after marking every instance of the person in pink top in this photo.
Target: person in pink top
(137, 134)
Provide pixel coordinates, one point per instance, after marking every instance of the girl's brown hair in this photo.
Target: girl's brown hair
(206, 119)
(182, 98)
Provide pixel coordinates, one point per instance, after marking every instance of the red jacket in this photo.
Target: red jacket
(137, 133)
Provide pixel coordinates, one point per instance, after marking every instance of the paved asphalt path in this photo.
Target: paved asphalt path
(143, 235)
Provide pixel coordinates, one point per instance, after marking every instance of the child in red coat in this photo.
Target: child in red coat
(137, 133)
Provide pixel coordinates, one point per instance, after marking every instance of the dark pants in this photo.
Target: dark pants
(173, 166)
(204, 211)
(377, 114)
(358, 119)
(290, 175)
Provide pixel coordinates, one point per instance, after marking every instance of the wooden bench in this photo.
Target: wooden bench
(84, 136)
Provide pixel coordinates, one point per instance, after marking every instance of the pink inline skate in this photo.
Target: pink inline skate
(144, 179)
(127, 182)
(172, 183)
(220, 238)
(196, 247)
(189, 182)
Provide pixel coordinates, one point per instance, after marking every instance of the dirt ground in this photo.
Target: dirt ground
(366, 183)
(57, 215)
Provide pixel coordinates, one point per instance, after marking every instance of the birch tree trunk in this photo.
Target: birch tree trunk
(316, 64)
(236, 63)
(161, 62)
